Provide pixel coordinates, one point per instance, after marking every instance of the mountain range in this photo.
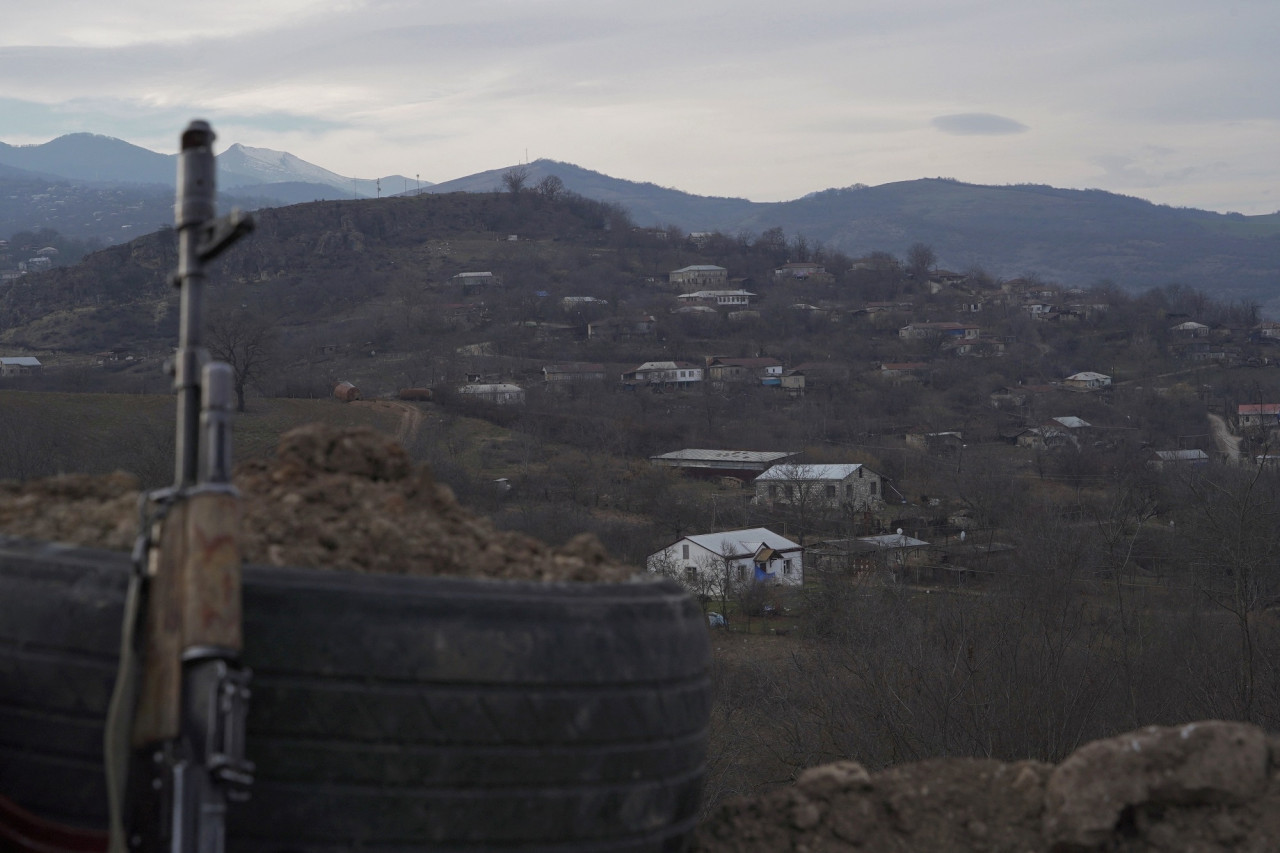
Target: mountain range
(102, 159)
(80, 184)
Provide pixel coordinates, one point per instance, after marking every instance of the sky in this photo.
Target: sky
(1175, 101)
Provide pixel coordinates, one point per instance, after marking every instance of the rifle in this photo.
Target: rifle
(181, 698)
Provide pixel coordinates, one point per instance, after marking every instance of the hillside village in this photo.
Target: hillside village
(828, 353)
(813, 443)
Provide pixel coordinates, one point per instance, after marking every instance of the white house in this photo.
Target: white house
(1191, 329)
(1087, 380)
(851, 486)
(720, 563)
(680, 374)
(501, 393)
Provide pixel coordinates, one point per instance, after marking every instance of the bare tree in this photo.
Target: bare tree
(773, 242)
(550, 187)
(1234, 537)
(800, 249)
(920, 260)
(247, 342)
(515, 179)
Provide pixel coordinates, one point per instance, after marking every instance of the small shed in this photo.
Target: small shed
(346, 392)
(22, 365)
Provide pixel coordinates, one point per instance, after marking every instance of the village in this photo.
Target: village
(923, 513)
(869, 410)
(833, 512)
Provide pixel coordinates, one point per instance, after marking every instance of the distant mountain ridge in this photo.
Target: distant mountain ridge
(91, 157)
(1075, 237)
(104, 159)
(88, 186)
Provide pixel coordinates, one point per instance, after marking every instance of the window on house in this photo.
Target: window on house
(793, 492)
(848, 491)
(690, 572)
(685, 551)
(742, 573)
(786, 567)
(873, 486)
(773, 492)
(831, 491)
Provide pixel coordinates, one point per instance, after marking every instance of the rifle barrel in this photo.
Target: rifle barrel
(197, 191)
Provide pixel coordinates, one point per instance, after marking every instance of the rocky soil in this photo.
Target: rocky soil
(352, 500)
(1207, 787)
(330, 499)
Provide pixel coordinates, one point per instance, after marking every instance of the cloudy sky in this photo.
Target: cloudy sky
(1177, 101)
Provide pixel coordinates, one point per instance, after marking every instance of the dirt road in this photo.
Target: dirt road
(1228, 444)
(410, 418)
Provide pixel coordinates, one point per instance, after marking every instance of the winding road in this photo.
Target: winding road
(411, 417)
(1228, 443)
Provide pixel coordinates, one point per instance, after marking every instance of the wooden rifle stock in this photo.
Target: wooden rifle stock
(193, 602)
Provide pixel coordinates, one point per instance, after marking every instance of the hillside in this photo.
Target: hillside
(318, 264)
(1076, 237)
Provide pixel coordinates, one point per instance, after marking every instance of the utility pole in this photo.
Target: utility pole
(186, 715)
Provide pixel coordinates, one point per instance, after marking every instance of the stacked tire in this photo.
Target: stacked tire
(389, 713)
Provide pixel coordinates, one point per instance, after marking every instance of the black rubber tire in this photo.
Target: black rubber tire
(393, 713)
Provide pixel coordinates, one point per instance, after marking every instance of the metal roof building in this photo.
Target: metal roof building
(746, 464)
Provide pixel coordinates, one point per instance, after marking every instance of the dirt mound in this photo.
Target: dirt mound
(332, 499)
(1204, 787)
